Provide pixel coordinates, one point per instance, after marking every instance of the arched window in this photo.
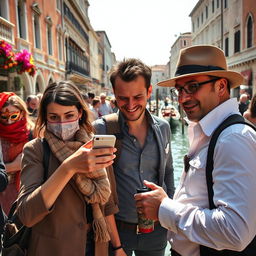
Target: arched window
(4, 11)
(21, 19)
(37, 31)
(249, 32)
(49, 39)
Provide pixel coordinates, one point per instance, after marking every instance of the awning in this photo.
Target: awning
(247, 74)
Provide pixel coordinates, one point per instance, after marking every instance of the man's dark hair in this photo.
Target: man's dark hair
(129, 69)
(91, 95)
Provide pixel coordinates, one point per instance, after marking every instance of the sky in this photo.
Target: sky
(144, 29)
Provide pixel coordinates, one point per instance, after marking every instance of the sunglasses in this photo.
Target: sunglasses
(13, 116)
(191, 87)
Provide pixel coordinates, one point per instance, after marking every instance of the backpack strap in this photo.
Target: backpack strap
(233, 119)
(112, 127)
(206, 251)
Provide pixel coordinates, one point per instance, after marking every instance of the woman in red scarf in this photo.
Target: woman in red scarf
(15, 130)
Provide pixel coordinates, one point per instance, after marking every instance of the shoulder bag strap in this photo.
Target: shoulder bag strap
(112, 127)
(233, 119)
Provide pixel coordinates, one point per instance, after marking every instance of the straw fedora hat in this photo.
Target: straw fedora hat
(203, 60)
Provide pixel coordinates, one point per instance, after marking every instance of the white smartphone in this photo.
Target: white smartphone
(104, 141)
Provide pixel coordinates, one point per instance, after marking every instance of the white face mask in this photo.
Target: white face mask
(64, 130)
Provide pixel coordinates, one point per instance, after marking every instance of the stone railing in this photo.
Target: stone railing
(6, 30)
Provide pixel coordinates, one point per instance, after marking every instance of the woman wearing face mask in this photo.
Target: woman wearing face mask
(67, 211)
(15, 131)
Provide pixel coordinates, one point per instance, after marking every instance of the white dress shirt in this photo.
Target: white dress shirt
(232, 224)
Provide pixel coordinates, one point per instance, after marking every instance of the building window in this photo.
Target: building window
(249, 32)
(193, 26)
(76, 59)
(212, 6)
(60, 47)
(4, 9)
(218, 3)
(21, 19)
(198, 22)
(206, 12)
(237, 41)
(226, 47)
(225, 3)
(49, 39)
(58, 6)
(202, 17)
(184, 43)
(37, 31)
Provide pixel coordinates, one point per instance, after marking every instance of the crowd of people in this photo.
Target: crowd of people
(83, 201)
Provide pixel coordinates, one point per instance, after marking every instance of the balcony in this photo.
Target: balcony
(73, 67)
(6, 30)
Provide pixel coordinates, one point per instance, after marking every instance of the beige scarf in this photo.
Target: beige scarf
(94, 185)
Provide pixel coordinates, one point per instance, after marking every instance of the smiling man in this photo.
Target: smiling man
(213, 209)
(144, 153)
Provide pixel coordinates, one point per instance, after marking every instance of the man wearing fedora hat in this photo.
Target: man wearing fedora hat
(213, 216)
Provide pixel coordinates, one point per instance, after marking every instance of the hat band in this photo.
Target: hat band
(187, 69)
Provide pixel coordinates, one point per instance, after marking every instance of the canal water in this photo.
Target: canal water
(179, 145)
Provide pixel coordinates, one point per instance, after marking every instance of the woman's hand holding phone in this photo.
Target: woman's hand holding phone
(90, 158)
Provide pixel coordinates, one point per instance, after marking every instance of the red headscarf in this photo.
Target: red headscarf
(16, 132)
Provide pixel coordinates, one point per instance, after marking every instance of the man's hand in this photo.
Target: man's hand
(148, 203)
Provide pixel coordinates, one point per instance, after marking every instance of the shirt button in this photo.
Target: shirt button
(134, 140)
(141, 171)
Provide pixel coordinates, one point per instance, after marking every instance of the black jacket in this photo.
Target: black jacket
(3, 185)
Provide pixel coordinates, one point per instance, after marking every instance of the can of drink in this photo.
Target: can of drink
(144, 225)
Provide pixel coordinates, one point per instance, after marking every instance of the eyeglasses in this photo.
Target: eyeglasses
(13, 116)
(191, 87)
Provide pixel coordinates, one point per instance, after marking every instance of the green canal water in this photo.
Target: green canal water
(179, 145)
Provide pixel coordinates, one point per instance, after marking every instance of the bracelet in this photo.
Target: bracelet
(117, 248)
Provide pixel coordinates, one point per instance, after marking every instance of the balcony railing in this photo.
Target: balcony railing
(71, 66)
(6, 30)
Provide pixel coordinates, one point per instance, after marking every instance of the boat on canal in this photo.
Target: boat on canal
(171, 114)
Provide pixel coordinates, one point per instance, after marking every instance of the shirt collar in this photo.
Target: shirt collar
(215, 117)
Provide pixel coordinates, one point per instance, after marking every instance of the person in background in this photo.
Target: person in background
(90, 97)
(243, 103)
(105, 107)
(32, 106)
(95, 107)
(250, 113)
(39, 96)
(67, 212)
(15, 131)
(203, 83)
(113, 104)
(3, 185)
(145, 153)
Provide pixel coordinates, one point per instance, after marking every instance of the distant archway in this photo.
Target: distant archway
(39, 83)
